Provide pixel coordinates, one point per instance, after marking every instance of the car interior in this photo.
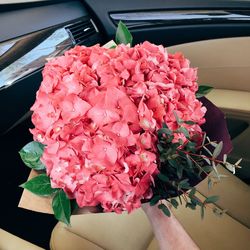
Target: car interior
(213, 35)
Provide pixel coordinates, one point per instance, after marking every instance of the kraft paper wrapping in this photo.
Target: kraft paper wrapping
(44, 204)
(33, 202)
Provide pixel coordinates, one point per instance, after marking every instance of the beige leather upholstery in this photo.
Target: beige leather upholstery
(225, 65)
(124, 232)
(11, 242)
(104, 231)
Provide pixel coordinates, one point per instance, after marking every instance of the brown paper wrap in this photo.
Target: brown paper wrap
(34, 202)
(44, 204)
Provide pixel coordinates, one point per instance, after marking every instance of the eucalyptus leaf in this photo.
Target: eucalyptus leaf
(189, 122)
(203, 90)
(207, 168)
(230, 167)
(31, 154)
(184, 184)
(178, 119)
(192, 192)
(238, 162)
(164, 209)
(160, 148)
(189, 161)
(154, 200)
(209, 183)
(179, 171)
(110, 45)
(184, 131)
(123, 35)
(202, 212)
(191, 205)
(163, 177)
(211, 199)
(39, 185)
(61, 207)
(174, 203)
(218, 149)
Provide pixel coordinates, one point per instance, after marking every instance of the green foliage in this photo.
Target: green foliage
(181, 163)
(155, 200)
(123, 35)
(61, 207)
(202, 212)
(39, 185)
(217, 149)
(31, 154)
(192, 192)
(174, 203)
(163, 177)
(164, 209)
(203, 90)
(211, 199)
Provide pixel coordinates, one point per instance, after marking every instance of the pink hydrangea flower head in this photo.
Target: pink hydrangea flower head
(98, 111)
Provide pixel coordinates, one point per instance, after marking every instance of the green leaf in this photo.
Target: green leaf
(163, 177)
(174, 163)
(191, 205)
(207, 168)
(162, 131)
(154, 200)
(179, 197)
(184, 131)
(209, 183)
(192, 192)
(174, 202)
(160, 148)
(164, 209)
(179, 171)
(202, 212)
(189, 161)
(178, 119)
(195, 201)
(31, 154)
(191, 146)
(39, 185)
(184, 184)
(110, 45)
(217, 149)
(189, 122)
(211, 199)
(123, 35)
(203, 90)
(61, 207)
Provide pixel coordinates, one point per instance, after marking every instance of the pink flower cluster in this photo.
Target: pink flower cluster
(98, 111)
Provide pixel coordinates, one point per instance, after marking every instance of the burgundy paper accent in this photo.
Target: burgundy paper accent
(216, 127)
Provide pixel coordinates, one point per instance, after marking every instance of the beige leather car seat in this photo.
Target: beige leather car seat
(11, 242)
(133, 232)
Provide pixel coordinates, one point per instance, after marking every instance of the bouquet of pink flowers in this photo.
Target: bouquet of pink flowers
(122, 125)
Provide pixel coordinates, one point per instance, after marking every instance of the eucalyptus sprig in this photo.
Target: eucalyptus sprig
(184, 164)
